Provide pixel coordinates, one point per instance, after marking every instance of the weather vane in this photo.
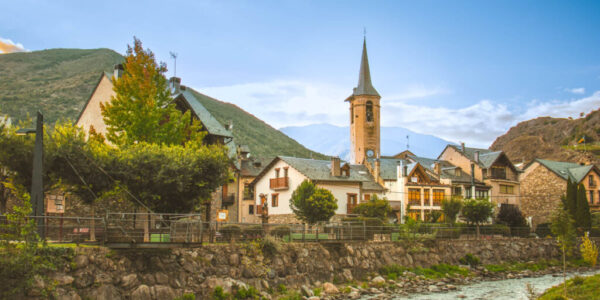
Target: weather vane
(174, 57)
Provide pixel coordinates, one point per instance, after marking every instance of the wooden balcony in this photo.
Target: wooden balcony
(281, 183)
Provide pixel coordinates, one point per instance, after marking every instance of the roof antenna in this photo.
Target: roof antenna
(407, 142)
(174, 57)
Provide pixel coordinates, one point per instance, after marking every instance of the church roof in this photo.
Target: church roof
(364, 87)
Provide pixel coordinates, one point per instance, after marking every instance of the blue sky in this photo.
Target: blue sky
(461, 70)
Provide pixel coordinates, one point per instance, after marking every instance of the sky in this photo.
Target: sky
(465, 71)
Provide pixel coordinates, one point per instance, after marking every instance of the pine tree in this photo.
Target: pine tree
(571, 198)
(583, 217)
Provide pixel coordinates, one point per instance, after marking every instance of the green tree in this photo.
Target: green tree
(312, 204)
(477, 211)
(451, 207)
(570, 199)
(583, 217)
(510, 215)
(143, 109)
(434, 216)
(563, 227)
(374, 208)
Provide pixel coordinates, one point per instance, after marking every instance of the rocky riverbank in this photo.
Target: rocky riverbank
(100, 273)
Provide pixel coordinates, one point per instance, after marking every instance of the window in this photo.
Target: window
(499, 172)
(285, 171)
(438, 196)
(507, 189)
(591, 181)
(457, 191)
(274, 200)
(369, 111)
(352, 203)
(591, 197)
(468, 193)
(367, 197)
(426, 197)
(481, 194)
(250, 209)
(351, 114)
(414, 197)
(277, 173)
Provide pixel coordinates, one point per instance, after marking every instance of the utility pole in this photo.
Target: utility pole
(37, 185)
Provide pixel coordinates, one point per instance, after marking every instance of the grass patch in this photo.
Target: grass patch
(307, 236)
(532, 266)
(577, 288)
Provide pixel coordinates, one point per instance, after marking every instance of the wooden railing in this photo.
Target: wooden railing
(279, 183)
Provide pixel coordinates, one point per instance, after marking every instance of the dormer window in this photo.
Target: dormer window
(277, 173)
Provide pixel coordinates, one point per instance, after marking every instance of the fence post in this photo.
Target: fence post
(317, 236)
(364, 230)
(303, 231)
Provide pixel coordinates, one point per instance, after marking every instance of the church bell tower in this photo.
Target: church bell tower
(364, 115)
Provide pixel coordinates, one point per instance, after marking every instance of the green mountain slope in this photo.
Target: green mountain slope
(263, 140)
(59, 81)
(56, 82)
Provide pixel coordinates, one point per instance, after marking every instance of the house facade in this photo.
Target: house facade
(350, 184)
(544, 182)
(228, 197)
(499, 176)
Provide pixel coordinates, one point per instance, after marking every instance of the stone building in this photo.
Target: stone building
(544, 182)
(273, 187)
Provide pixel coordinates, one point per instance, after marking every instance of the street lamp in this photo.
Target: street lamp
(37, 186)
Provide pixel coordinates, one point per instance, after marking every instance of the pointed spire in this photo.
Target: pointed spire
(365, 87)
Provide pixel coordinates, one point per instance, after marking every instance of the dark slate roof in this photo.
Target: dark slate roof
(448, 170)
(364, 87)
(320, 170)
(487, 157)
(252, 167)
(388, 167)
(208, 121)
(566, 170)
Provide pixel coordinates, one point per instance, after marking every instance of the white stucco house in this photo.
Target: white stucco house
(350, 185)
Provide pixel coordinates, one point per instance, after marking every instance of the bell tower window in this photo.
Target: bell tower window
(351, 114)
(369, 111)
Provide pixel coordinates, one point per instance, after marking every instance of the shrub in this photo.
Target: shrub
(281, 288)
(270, 246)
(577, 280)
(253, 231)
(280, 231)
(219, 294)
(374, 208)
(543, 230)
(511, 216)
(589, 251)
(470, 259)
(249, 292)
(230, 232)
(187, 296)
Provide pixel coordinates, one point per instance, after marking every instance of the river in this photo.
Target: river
(508, 289)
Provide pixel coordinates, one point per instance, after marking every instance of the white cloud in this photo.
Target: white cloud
(8, 46)
(578, 91)
(417, 91)
(296, 103)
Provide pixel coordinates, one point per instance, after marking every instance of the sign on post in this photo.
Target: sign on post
(222, 215)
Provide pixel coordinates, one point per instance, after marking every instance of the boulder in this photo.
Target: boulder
(62, 279)
(347, 275)
(128, 281)
(378, 280)
(163, 292)
(330, 289)
(104, 292)
(81, 261)
(234, 259)
(71, 295)
(142, 292)
(161, 278)
(306, 292)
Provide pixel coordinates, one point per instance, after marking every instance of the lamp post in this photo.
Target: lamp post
(37, 184)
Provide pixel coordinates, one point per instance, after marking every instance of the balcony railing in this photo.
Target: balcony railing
(228, 200)
(280, 183)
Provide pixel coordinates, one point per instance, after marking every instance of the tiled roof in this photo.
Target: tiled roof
(208, 121)
(320, 170)
(566, 170)
(388, 167)
(486, 156)
(252, 167)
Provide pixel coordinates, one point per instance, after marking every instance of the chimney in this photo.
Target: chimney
(473, 181)
(437, 168)
(399, 168)
(462, 147)
(477, 156)
(118, 71)
(175, 84)
(335, 166)
(377, 169)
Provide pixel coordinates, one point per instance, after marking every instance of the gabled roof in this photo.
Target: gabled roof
(320, 170)
(364, 87)
(208, 121)
(567, 170)
(447, 170)
(388, 167)
(251, 167)
(487, 157)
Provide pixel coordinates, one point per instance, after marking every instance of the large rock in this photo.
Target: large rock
(330, 289)
(37, 286)
(81, 261)
(161, 278)
(234, 259)
(62, 279)
(163, 292)
(105, 292)
(83, 280)
(142, 292)
(128, 281)
(71, 295)
(347, 275)
(378, 280)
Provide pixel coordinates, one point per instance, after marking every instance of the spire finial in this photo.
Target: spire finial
(365, 87)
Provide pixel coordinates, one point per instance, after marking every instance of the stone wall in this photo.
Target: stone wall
(100, 273)
(541, 191)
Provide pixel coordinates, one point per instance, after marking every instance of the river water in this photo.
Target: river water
(508, 289)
